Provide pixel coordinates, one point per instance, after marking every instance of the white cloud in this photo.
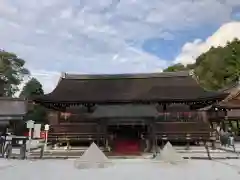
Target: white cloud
(48, 79)
(103, 36)
(191, 50)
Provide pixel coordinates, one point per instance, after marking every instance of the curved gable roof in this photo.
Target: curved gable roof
(232, 101)
(123, 88)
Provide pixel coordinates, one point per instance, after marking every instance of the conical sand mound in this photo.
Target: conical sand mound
(93, 157)
(94, 154)
(169, 154)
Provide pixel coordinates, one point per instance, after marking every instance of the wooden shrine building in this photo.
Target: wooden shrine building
(226, 113)
(12, 111)
(131, 110)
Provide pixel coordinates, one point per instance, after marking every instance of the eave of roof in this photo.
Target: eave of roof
(234, 92)
(124, 76)
(12, 106)
(155, 89)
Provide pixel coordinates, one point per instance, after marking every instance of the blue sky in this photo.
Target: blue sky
(169, 49)
(113, 36)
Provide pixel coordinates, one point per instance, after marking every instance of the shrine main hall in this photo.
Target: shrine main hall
(130, 112)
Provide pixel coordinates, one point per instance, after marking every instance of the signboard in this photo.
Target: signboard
(37, 130)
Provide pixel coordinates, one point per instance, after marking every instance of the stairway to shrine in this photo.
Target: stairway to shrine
(127, 147)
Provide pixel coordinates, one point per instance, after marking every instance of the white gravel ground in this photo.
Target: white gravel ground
(121, 170)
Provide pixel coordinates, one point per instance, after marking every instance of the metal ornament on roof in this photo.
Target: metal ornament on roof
(63, 74)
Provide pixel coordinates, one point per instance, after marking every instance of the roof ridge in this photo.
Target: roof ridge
(233, 94)
(12, 98)
(229, 87)
(125, 76)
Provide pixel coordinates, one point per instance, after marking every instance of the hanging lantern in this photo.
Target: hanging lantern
(65, 115)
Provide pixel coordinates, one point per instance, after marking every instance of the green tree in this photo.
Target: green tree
(179, 67)
(36, 112)
(216, 68)
(219, 66)
(32, 87)
(12, 71)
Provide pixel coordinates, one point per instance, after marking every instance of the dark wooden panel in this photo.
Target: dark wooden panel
(188, 116)
(12, 106)
(183, 130)
(181, 126)
(53, 118)
(77, 118)
(80, 128)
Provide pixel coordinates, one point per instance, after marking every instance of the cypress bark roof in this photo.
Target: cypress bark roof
(232, 101)
(158, 87)
(12, 107)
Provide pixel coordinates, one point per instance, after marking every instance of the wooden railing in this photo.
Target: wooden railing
(183, 131)
(82, 128)
(194, 116)
(75, 131)
(216, 115)
(73, 118)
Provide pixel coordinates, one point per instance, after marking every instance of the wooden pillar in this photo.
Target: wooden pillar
(162, 144)
(225, 119)
(187, 145)
(105, 137)
(153, 136)
(211, 124)
(214, 145)
(223, 126)
(238, 128)
(188, 138)
(230, 123)
(23, 150)
(149, 136)
(8, 151)
(98, 134)
(204, 116)
(68, 144)
(99, 130)
(104, 132)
